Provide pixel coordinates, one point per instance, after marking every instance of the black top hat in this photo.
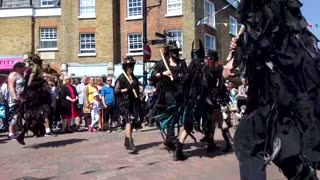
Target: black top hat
(128, 60)
(172, 46)
(213, 54)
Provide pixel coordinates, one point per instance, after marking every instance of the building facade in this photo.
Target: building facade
(76, 37)
(90, 37)
(180, 19)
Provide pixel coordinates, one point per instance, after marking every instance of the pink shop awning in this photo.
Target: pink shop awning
(7, 63)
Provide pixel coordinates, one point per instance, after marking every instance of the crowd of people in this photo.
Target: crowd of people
(279, 99)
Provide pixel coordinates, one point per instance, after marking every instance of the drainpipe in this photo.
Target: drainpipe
(33, 24)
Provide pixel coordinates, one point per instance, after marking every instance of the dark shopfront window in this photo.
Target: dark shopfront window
(3, 76)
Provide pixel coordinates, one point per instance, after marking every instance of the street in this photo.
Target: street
(101, 155)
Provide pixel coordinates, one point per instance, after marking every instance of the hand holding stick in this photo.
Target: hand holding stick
(130, 81)
(231, 54)
(166, 64)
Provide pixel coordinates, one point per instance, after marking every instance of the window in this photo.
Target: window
(48, 38)
(174, 7)
(87, 8)
(134, 8)
(209, 12)
(47, 3)
(87, 43)
(210, 42)
(135, 44)
(176, 35)
(233, 25)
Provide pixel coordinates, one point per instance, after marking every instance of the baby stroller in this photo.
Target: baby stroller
(4, 125)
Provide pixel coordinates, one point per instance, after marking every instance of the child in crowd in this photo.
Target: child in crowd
(95, 107)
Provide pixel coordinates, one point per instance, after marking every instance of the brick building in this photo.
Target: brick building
(77, 36)
(180, 19)
(87, 37)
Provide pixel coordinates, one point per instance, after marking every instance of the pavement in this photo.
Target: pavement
(101, 155)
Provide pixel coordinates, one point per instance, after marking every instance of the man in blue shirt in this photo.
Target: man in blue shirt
(108, 100)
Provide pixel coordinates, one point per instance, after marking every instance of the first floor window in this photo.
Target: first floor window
(135, 44)
(48, 38)
(209, 12)
(233, 25)
(174, 7)
(87, 43)
(210, 42)
(87, 8)
(134, 8)
(176, 36)
(47, 3)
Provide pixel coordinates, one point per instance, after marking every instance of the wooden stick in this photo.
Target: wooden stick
(130, 81)
(166, 64)
(240, 32)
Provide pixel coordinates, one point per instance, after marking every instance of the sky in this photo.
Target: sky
(311, 11)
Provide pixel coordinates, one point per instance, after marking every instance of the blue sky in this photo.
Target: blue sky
(311, 11)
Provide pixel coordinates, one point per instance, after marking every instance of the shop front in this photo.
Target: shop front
(90, 70)
(6, 64)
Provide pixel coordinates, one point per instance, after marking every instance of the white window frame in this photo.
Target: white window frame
(233, 25)
(89, 4)
(175, 11)
(135, 42)
(46, 1)
(211, 20)
(48, 34)
(214, 42)
(87, 41)
(176, 38)
(138, 16)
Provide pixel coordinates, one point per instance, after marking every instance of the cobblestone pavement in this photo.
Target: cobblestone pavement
(101, 155)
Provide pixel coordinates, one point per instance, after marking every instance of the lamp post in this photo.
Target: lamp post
(145, 41)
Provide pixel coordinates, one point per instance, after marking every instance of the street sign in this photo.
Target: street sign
(161, 35)
(146, 52)
(157, 41)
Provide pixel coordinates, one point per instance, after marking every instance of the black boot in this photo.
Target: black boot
(169, 144)
(20, 138)
(178, 153)
(128, 143)
(212, 147)
(131, 145)
(229, 141)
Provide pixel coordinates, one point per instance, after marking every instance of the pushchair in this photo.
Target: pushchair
(4, 125)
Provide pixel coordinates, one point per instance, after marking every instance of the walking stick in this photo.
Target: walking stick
(166, 64)
(240, 32)
(130, 81)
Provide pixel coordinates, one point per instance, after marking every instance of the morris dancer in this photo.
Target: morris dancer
(282, 62)
(167, 83)
(128, 101)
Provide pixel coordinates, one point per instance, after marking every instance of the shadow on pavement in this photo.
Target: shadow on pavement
(201, 150)
(34, 178)
(89, 172)
(141, 147)
(56, 143)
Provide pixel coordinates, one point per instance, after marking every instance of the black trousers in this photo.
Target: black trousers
(109, 115)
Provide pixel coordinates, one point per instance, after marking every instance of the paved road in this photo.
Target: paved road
(101, 155)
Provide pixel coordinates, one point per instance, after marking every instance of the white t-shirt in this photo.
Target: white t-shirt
(96, 105)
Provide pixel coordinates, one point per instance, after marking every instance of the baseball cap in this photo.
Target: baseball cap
(18, 64)
(95, 93)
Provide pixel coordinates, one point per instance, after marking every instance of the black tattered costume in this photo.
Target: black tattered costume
(282, 62)
(194, 98)
(35, 107)
(128, 105)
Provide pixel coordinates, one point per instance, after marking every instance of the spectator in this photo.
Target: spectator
(81, 90)
(242, 94)
(108, 100)
(88, 97)
(5, 90)
(149, 93)
(95, 106)
(16, 84)
(69, 99)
